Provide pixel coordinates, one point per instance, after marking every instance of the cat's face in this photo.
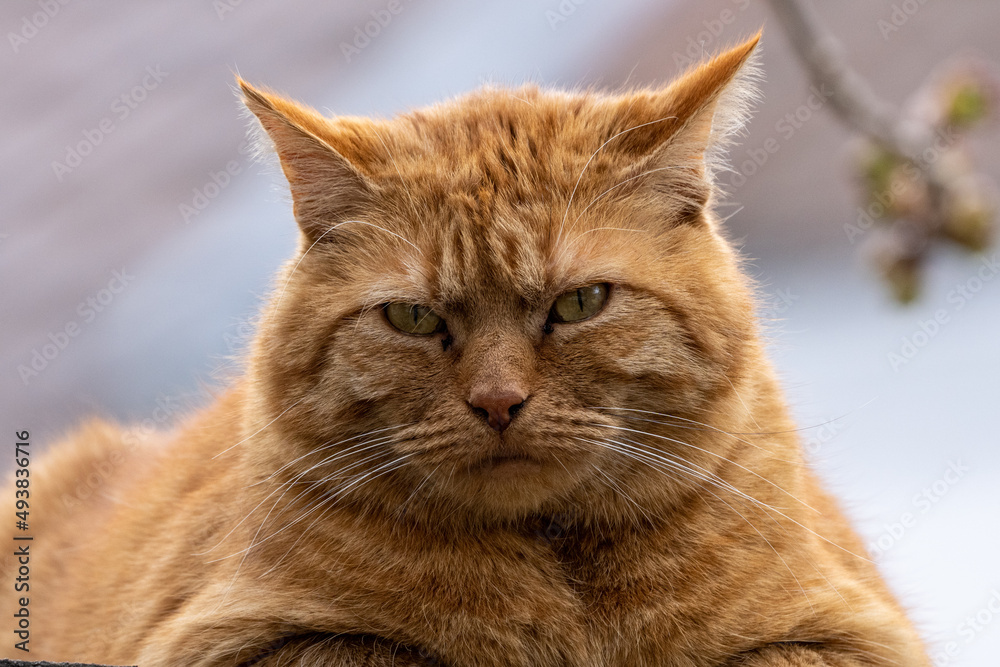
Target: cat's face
(491, 293)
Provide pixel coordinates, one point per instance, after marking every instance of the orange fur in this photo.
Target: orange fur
(346, 503)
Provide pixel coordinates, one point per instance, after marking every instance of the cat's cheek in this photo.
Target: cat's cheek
(606, 351)
(402, 375)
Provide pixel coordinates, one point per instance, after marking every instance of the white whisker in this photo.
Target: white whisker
(260, 429)
(591, 159)
(658, 465)
(616, 488)
(613, 187)
(328, 503)
(770, 508)
(711, 453)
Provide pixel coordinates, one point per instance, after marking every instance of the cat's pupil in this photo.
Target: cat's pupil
(580, 304)
(413, 318)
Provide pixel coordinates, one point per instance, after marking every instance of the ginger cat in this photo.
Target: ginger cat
(507, 406)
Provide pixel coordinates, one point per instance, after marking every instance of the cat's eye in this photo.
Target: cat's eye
(579, 304)
(414, 319)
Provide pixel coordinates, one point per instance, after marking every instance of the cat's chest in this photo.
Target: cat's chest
(540, 595)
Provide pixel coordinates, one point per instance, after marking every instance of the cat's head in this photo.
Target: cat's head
(513, 300)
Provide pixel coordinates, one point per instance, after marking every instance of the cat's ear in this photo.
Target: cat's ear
(326, 188)
(681, 130)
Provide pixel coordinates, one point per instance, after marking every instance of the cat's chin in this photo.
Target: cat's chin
(508, 467)
(511, 485)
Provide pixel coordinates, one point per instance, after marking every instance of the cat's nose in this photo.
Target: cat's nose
(497, 406)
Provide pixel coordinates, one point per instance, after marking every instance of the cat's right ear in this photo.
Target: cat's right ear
(326, 188)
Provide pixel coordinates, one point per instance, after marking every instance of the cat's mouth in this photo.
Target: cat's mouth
(508, 465)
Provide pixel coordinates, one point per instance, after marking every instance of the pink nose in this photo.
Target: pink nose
(497, 406)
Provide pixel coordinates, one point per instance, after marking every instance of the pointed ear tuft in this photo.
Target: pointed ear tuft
(720, 95)
(690, 123)
(326, 188)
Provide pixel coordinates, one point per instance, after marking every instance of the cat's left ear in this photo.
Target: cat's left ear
(679, 132)
(326, 187)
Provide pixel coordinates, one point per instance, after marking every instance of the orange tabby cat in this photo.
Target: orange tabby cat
(508, 406)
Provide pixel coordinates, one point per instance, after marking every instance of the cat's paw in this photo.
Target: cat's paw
(396, 655)
(345, 652)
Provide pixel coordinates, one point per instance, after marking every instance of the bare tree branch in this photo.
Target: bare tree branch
(906, 138)
(853, 99)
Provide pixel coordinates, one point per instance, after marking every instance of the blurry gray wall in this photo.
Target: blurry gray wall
(137, 237)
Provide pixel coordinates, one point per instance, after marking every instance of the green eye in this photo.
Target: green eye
(579, 304)
(413, 319)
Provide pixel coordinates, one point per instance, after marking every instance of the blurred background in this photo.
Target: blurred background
(137, 236)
